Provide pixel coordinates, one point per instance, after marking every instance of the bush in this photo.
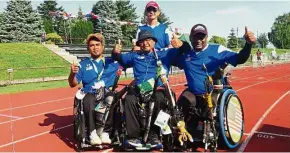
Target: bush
(54, 37)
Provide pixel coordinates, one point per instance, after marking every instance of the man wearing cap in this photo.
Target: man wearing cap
(159, 30)
(212, 56)
(144, 65)
(94, 72)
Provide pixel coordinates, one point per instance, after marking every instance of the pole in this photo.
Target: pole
(237, 37)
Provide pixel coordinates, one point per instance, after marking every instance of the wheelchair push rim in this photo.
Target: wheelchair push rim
(231, 118)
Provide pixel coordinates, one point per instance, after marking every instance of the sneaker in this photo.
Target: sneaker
(94, 138)
(105, 138)
(134, 142)
(154, 140)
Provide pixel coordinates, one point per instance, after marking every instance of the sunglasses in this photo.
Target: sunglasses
(198, 36)
(149, 9)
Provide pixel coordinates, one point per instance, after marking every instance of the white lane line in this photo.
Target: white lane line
(33, 136)
(9, 116)
(252, 76)
(36, 115)
(50, 101)
(260, 83)
(247, 140)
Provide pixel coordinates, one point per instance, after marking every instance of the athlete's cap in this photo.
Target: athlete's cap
(98, 36)
(152, 4)
(198, 28)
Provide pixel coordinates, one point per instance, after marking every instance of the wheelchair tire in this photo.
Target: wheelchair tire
(231, 119)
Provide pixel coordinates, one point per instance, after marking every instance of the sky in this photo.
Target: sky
(219, 16)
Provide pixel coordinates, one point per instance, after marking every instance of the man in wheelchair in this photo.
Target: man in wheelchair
(144, 101)
(199, 64)
(95, 73)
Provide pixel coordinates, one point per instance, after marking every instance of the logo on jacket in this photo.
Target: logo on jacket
(141, 57)
(89, 67)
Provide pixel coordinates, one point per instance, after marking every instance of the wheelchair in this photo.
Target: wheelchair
(225, 129)
(120, 132)
(80, 129)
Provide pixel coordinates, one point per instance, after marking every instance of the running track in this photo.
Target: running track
(41, 121)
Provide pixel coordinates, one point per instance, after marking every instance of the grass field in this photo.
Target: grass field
(30, 60)
(33, 86)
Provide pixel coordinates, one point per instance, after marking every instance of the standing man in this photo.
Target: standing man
(159, 30)
(95, 73)
(259, 58)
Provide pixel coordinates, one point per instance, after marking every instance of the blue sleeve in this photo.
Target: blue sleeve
(167, 36)
(227, 56)
(127, 59)
(79, 75)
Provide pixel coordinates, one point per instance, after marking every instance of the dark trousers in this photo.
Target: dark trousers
(89, 111)
(132, 108)
(194, 108)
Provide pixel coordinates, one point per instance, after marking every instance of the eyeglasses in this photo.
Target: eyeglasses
(149, 9)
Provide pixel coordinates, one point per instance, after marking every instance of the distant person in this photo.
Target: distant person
(274, 54)
(259, 58)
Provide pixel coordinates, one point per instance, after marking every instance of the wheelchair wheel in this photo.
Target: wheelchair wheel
(78, 124)
(231, 119)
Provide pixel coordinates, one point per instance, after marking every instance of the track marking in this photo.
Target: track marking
(50, 101)
(247, 140)
(9, 116)
(33, 136)
(274, 134)
(260, 83)
(36, 115)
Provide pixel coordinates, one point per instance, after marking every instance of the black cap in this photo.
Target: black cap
(145, 34)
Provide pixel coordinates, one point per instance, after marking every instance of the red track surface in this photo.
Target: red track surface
(42, 120)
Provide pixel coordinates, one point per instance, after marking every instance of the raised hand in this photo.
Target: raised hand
(249, 36)
(118, 47)
(74, 68)
(175, 42)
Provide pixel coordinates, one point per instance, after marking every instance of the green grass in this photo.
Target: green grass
(38, 86)
(33, 86)
(22, 57)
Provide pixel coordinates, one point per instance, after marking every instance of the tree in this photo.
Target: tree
(262, 40)
(127, 12)
(50, 22)
(80, 30)
(80, 14)
(218, 40)
(1, 17)
(232, 39)
(47, 6)
(280, 31)
(107, 11)
(20, 23)
(162, 18)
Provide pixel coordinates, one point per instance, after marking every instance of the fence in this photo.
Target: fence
(32, 74)
(10, 76)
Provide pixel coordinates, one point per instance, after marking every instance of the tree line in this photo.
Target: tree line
(20, 23)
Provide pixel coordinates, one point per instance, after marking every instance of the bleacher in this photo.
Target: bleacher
(81, 52)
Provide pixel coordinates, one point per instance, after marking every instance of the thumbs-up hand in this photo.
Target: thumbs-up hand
(74, 68)
(175, 42)
(118, 47)
(249, 36)
(135, 47)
